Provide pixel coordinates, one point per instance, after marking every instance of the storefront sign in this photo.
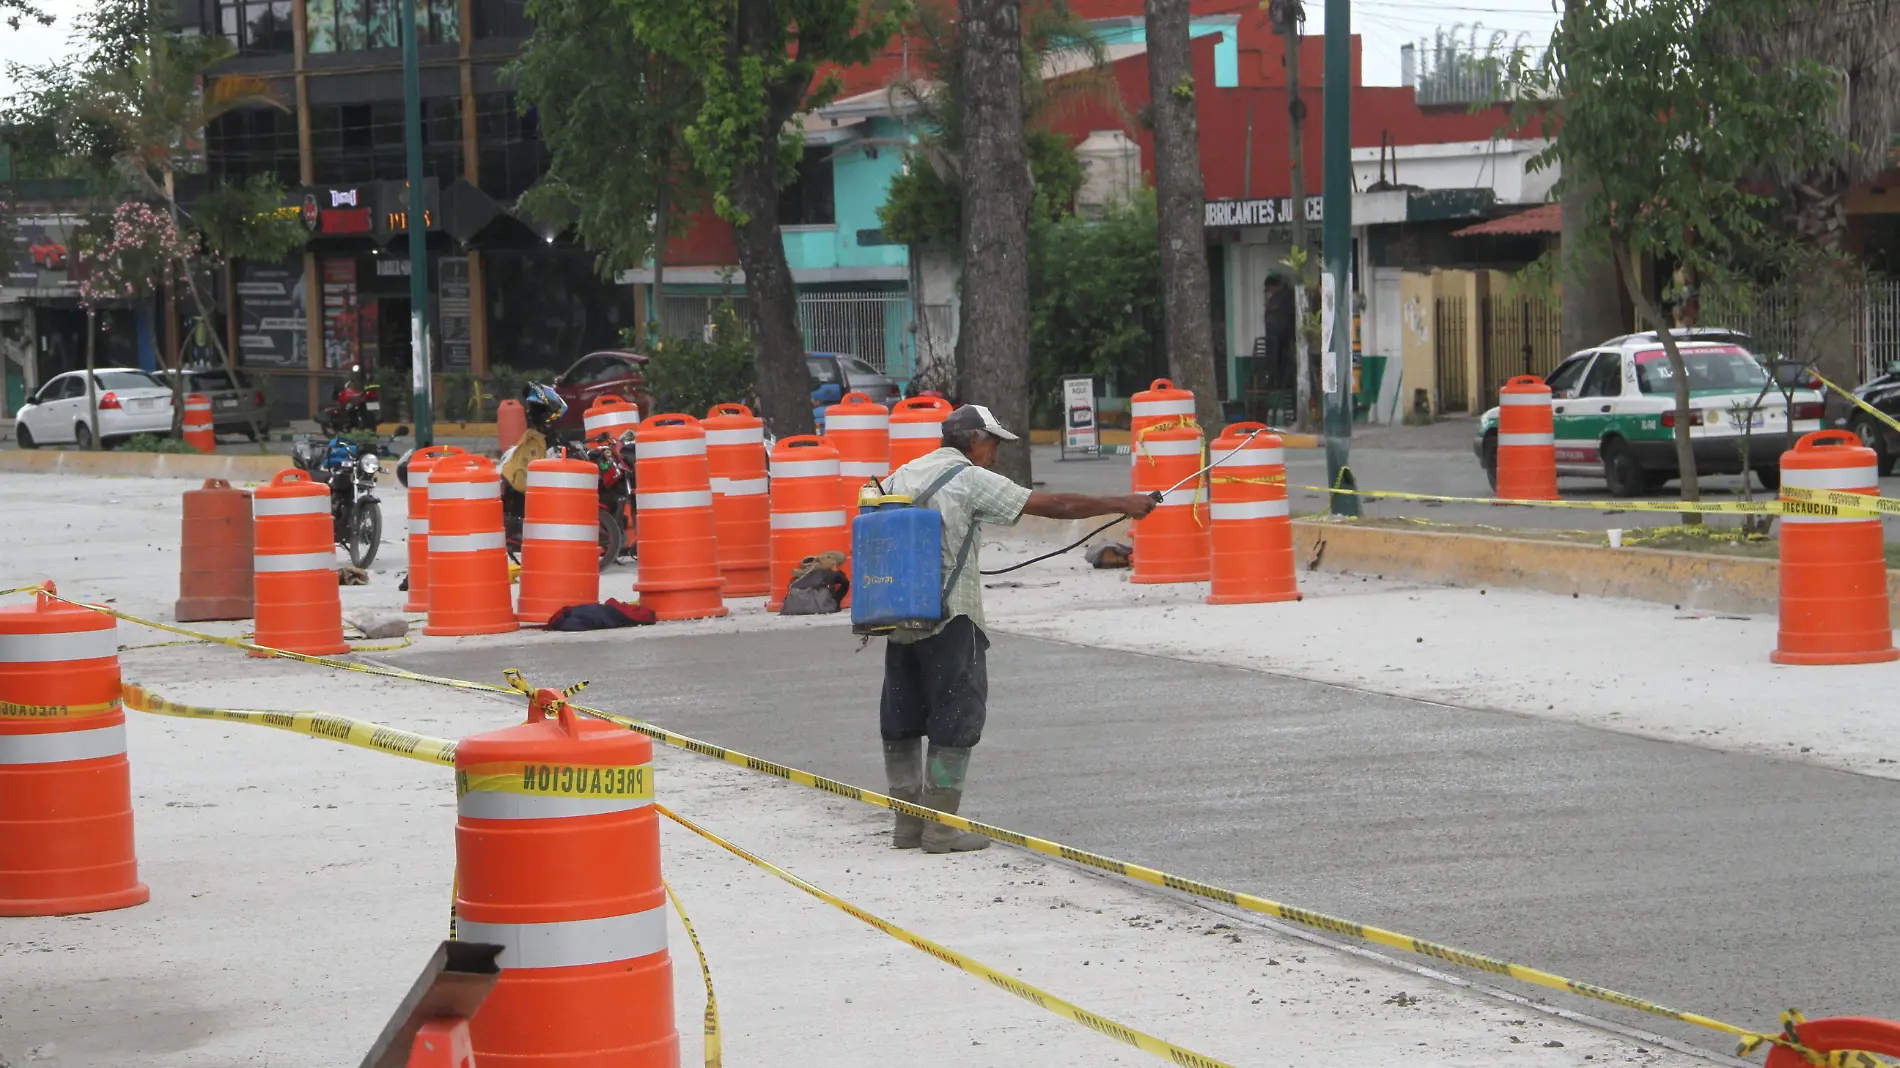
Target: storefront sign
(1273, 211)
(341, 212)
(341, 346)
(271, 315)
(44, 261)
(1079, 433)
(455, 328)
(392, 218)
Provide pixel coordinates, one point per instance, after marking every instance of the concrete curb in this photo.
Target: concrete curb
(237, 468)
(1704, 582)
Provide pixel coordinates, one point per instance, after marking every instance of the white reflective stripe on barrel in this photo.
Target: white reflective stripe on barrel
(807, 520)
(804, 469)
(753, 436)
(1505, 440)
(562, 479)
(418, 526)
(463, 491)
(486, 805)
(932, 429)
(660, 450)
(1262, 457)
(1176, 497)
(466, 543)
(1859, 479)
(69, 645)
(418, 479)
(559, 532)
(62, 746)
(310, 504)
(740, 487)
(863, 468)
(856, 422)
(1169, 448)
(1524, 400)
(571, 943)
(676, 499)
(197, 406)
(1249, 509)
(263, 564)
(620, 417)
(1143, 409)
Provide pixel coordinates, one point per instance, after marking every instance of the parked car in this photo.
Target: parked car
(1883, 393)
(236, 407)
(1613, 408)
(48, 255)
(615, 371)
(851, 375)
(130, 402)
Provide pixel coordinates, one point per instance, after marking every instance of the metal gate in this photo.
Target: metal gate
(1521, 336)
(1448, 353)
(873, 326)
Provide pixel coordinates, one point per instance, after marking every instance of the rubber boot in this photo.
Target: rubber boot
(944, 772)
(904, 770)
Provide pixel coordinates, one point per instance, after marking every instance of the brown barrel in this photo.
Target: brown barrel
(214, 574)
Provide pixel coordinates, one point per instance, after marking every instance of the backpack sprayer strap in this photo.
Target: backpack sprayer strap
(969, 536)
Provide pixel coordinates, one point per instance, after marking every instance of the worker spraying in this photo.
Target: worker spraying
(936, 679)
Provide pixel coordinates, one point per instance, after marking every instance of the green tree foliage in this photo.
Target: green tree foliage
(923, 208)
(15, 12)
(613, 115)
(248, 220)
(1664, 129)
(1094, 298)
(690, 374)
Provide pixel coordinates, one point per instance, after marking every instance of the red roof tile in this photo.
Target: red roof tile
(1543, 219)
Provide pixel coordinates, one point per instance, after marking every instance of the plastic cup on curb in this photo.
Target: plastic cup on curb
(1616, 537)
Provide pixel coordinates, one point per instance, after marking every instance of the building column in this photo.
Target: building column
(478, 313)
(306, 174)
(1473, 286)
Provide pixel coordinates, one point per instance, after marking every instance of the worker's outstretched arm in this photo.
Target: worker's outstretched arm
(1085, 506)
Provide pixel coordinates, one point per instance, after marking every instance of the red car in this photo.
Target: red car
(48, 255)
(615, 371)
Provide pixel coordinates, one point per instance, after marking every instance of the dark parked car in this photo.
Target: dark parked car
(1883, 393)
(236, 406)
(615, 371)
(851, 375)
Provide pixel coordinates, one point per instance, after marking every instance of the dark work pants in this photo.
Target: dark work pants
(938, 687)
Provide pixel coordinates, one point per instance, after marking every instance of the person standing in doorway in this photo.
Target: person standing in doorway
(1278, 327)
(936, 682)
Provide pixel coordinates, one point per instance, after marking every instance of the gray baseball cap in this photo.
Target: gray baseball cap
(975, 417)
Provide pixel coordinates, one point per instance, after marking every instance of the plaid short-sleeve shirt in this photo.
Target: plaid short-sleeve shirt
(975, 495)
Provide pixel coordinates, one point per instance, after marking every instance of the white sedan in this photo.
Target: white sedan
(130, 402)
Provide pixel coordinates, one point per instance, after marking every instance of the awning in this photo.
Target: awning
(1543, 219)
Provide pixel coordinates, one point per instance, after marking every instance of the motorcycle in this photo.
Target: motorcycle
(349, 469)
(358, 406)
(615, 515)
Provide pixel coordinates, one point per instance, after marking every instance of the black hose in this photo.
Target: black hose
(1049, 555)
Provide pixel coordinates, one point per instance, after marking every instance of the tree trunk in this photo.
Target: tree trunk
(92, 390)
(1685, 448)
(1179, 202)
(994, 339)
(778, 349)
(660, 216)
(1305, 366)
(173, 354)
(1590, 306)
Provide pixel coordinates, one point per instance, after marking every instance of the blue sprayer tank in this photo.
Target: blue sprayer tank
(896, 566)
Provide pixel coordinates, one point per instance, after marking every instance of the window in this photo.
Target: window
(1563, 381)
(823, 372)
(809, 201)
(239, 144)
(209, 381)
(1709, 369)
(352, 143)
(1605, 378)
(513, 156)
(591, 370)
(501, 18)
(356, 25)
(124, 380)
(256, 26)
(64, 388)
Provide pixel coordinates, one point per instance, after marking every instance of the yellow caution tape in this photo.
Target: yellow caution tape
(629, 783)
(360, 733)
(1871, 503)
(1787, 507)
(1791, 1022)
(1042, 999)
(11, 710)
(710, 1021)
(1858, 403)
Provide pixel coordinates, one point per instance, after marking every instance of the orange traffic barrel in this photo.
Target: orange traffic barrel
(807, 516)
(610, 416)
(294, 560)
(742, 510)
(65, 783)
(860, 429)
(1527, 441)
(679, 552)
(198, 425)
(468, 555)
(1159, 405)
(560, 539)
(510, 423)
(214, 570)
(1172, 544)
(1837, 1034)
(1833, 605)
(420, 463)
(916, 429)
(1252, 526)
(557, 858)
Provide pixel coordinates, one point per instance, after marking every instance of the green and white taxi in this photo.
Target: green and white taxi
(1613, 407)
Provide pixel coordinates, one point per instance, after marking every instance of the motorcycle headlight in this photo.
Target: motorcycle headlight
(369, 463)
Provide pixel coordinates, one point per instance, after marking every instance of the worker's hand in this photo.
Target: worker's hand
(1137, 505)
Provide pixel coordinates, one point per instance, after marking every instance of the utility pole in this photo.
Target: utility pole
(1287, 17)
(416, 218)
(1336, 294)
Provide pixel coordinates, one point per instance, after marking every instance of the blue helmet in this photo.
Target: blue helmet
(542, 405)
